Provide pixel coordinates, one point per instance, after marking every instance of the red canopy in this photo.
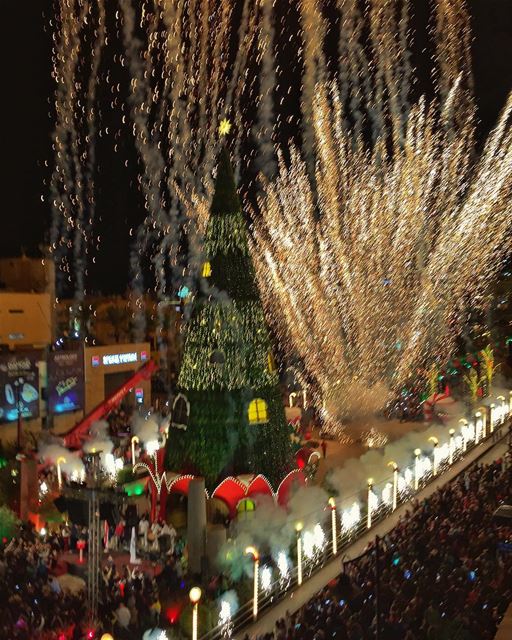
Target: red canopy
(76, 436)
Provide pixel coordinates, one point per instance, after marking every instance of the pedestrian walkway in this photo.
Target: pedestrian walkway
(294, 600)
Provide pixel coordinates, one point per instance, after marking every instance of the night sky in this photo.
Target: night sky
(28, 89)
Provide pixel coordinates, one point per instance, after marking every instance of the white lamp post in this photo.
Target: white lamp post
(463, 427)
(452, 445)
(332, 504)
(435, 442)
(135, 439)
(195, 595)
(502, 408)
(483, 417)
(478, 426)
(395, 483)
(59, 472)
(256, 557)
(298, 529)
(417, 454)
(369, 513)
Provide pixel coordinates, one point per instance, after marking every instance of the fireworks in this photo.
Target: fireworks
(283, 566)
(351, 517)
(376, 226)
(266, 579)
(225, 621)
(366, 265)
(374, 439)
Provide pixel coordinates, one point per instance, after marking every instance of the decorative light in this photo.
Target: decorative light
(195, 595)
(395, 483)
(369, 504)
(452, 445)
(59, 472)
(298, 528)
(435, 442)
(417, 454)
(332, 504)
(256, 557)
(135, 439)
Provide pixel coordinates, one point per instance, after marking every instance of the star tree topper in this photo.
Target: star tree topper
(224, 127)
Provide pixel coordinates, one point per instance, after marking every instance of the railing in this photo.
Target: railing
(279, 588)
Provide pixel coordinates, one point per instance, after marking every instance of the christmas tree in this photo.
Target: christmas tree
(229, 405)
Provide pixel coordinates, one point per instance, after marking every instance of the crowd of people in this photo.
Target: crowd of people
(445, 573)
(33, 604)
(36, 604)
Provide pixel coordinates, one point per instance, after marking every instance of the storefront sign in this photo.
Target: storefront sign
(19, 386)
(119, 358)
(65, 381)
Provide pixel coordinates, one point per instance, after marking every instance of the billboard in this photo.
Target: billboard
(19, 386)
(65, 381)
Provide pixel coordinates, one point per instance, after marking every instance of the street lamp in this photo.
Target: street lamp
(395, 482)
(195, 595)
(417, 454)
(369, 512)
(256, 557)
(332, 504)
(298, 529)
(492, 407)
(135, 439)
(435, 442)
(463, 428)
(59, 472)
(452, 444)
(478, 426)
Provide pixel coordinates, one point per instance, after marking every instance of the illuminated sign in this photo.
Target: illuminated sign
(139, 395)
(65, 381)
(119, 358)
(143, 356)
(95, 360)
(19, 386)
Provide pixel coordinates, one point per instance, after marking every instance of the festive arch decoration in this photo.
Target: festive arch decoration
(295, 477)
(258, 411)
(231, 491)
(260, 486)
(180, 412)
